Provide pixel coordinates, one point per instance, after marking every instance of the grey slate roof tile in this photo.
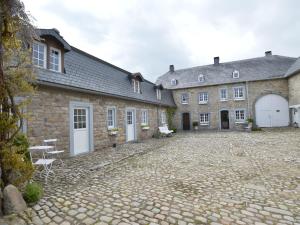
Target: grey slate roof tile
(295, 68)
(89, 73)
(262, 68)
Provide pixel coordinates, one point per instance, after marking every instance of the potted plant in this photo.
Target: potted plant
(113, 131)
(195, 125)
(145, 127)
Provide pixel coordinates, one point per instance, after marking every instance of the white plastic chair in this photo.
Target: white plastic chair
(46, 163)
(165, 131)
(54, 152)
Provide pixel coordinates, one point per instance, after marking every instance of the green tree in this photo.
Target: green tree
(16, 77)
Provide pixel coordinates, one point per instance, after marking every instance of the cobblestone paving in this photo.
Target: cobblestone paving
(192, 178)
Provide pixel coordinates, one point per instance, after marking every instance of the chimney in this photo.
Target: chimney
(172, 68)
(268, 53)
(216, 60)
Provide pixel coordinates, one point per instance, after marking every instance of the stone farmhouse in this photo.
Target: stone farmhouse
(89, 104)
(81, 99)
(223, 95)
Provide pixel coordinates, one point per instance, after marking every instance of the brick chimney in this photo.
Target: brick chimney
(216, 60)
(268, 53)
(172, 68)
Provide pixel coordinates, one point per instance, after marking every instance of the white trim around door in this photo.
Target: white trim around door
(81, 127)
(130, 124)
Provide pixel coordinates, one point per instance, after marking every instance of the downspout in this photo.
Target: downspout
(248, 101)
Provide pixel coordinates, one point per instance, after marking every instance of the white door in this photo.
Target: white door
(272, 111)
(81, 130)
(130, 120)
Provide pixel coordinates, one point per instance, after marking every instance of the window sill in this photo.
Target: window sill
(223, 100)
(240, 122)
(203, 103)
(204, 124)
(184, 103)
(239, 99)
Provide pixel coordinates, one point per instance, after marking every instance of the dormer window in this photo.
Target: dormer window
(55, 60)
(174, 82)
(235, 74)
(201, 78)
(39, 53)
(136, 86)
(158, 94)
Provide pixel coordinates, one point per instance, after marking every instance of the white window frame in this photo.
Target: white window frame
(203, 97)
(221, 97)
(136, 86)
(204, 119)
(173, 82)
(114, 117)
(186, 101)
(59, 59)
(144, 117)
(238, 115)
(238, 97)
(235, 74)
(45, 54)
(201, 78)
(158, 94)
(163, 117)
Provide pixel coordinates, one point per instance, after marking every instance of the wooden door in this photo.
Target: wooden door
(186, 121)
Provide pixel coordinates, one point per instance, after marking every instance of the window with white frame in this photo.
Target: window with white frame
(163, 117)
(111, 117)
(239, 93)
(223, 94)
(39, 53)
(174, 82)
(158, 94)
(235, 74)
(203, 97)
(185, 98)
(144, 118)
(204, 118)
(55, 60)
(240, 115)
(201, 78)
(136, 86)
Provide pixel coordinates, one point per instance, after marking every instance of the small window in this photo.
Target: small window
(39, 54)
(163, 118)
(184, 98)
(174, 82)
(201, 78)
(158, 94)
(55, 60)
(240, 115)
(111, 118)
(235, 74)
(144, 119)
(203, 98)
(136, 86)
(223, 94)
(204, 118)
(79, 118)
(239, 93)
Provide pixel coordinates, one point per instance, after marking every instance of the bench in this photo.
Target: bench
(165, 131)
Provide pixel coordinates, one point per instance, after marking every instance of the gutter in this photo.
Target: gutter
(66, 87)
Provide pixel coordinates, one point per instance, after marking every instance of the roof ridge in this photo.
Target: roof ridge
(235, 61)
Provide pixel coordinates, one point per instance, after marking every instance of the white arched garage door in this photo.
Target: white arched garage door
(272, 111)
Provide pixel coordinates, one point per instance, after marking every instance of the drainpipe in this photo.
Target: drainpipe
(248, 103)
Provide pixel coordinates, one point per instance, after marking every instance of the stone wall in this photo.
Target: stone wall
(294, 90)
(49, 117)
(254, 89)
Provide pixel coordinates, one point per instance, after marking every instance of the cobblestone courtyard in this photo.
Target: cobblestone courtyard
(203, 178)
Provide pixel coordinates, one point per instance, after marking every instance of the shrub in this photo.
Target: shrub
(33, 193)
(195, 124)
(250, 120)
(22, 143)
(256, 129)
(174, 130)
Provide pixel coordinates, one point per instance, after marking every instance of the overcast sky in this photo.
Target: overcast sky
(148, 35)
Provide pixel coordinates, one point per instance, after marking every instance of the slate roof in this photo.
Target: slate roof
(295, 68)
(85, 72)
(255, 69)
